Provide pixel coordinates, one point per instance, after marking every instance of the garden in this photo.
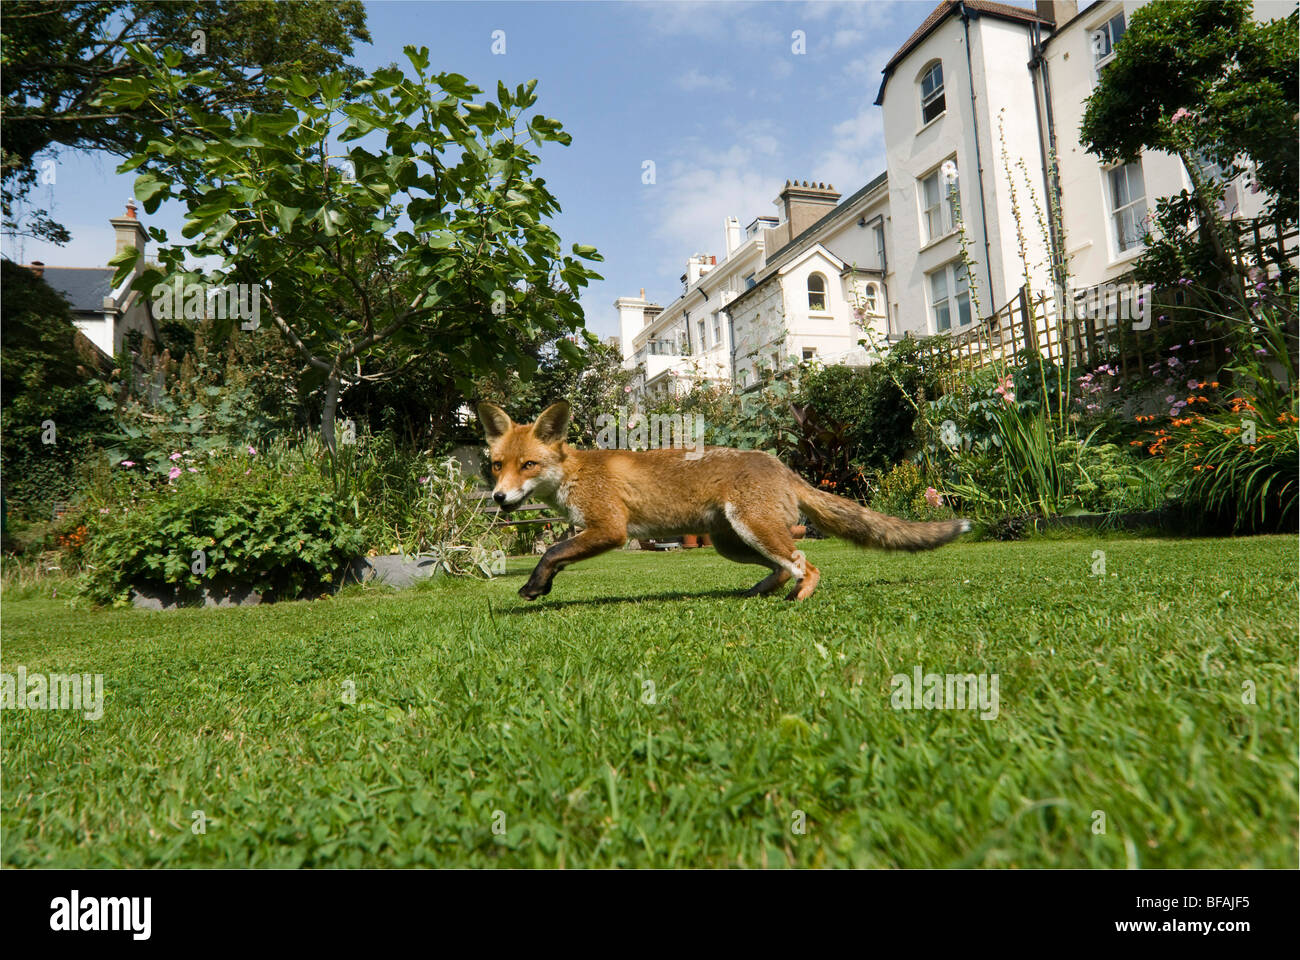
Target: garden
(1129, 580)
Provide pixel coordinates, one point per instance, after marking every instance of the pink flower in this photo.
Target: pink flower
(128, 463)
(252, 452)
(174, 456)
(192, 469)
(424, 480)
(173, 473)
(248, 471)
(1180, 114)
(932, 497)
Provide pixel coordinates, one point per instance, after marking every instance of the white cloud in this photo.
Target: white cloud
(857, 150)
(693, 80)
(734, 171)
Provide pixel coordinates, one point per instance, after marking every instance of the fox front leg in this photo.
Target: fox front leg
(586, 544)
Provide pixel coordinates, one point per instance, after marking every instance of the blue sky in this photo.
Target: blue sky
(711, 92)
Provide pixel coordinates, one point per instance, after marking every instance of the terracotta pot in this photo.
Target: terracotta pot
(690, 541)
(799, 532)
(706, 540)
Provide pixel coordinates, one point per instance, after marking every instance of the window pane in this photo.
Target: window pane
(963, 309)
(1116, 30)
(932, 109)
(1119, 187)
(939, 285)
(942, 321)
(1136, 187)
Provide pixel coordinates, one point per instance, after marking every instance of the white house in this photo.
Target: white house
(103, 313)
(690, 339)
(823, 280)
(976, 104)
(1101, 206)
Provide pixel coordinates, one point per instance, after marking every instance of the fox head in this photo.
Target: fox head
(526, 458)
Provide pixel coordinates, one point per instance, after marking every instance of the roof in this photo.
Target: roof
(838, 209)
(807, 234)
(84, 287)
(1003, 11)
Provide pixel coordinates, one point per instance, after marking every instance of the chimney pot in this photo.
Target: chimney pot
(130, 209)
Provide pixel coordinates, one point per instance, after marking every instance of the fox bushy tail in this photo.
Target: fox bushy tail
(867, 528)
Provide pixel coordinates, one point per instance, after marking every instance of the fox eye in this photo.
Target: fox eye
(529, 464)
(496, 466)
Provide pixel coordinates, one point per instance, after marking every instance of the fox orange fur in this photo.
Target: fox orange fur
(746, 500)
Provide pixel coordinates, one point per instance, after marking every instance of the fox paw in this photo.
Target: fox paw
(531, 591)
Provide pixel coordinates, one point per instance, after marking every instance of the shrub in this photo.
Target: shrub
(37, 474)
(400, 499)
(878, 403)
(904, 492)
(276, 533)
(1232, 456)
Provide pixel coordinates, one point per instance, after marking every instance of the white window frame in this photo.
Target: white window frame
(951, 198)
(871, 298)
(935, 94)
(702, 329)
(825, 293)
(1105, 32)
(1116, 211)
(955, 299)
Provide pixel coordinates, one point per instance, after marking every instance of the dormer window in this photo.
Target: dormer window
(932, 100)
(817, 293)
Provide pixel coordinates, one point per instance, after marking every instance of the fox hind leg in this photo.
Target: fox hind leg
(729, 544)
(770, 537)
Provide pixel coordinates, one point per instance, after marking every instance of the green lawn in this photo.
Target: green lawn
(1120, 693)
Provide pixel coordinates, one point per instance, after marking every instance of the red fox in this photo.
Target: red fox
(745, 499)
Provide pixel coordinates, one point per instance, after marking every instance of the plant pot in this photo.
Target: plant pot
(690, 541)
(799, 531)
(706, 540)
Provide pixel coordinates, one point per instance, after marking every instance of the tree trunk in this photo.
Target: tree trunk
(327, 414)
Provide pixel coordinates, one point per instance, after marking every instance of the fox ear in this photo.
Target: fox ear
(553, 424)
(495, 421)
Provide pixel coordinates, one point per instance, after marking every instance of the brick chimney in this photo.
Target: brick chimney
(37, 268)
(1056, 12)
(129, 230)
(802, 204)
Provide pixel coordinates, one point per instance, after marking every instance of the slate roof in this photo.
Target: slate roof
(85, 287)
(1003, 11)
